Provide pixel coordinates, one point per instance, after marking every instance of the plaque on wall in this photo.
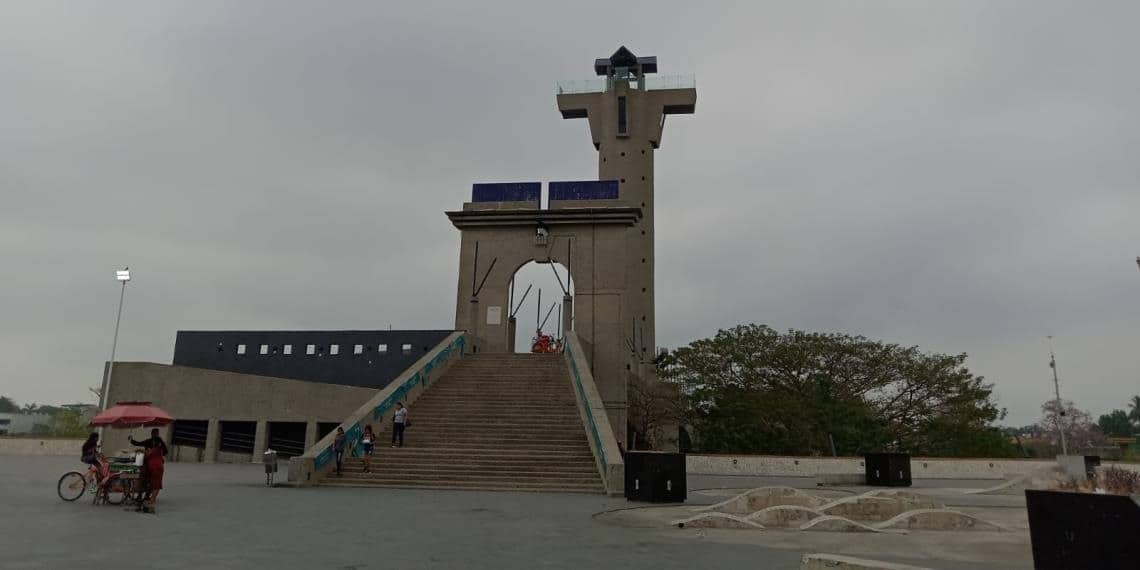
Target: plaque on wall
(494, 315)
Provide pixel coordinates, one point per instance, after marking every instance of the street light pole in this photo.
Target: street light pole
(123, 277)
(1057, 390)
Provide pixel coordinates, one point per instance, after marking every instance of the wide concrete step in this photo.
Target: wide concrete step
(594, 489)
(475, 459)
(498, 446)
(577, 469)
(495, 406)
(461, 453)
(499, 442)
(536, 429)
(481, 477)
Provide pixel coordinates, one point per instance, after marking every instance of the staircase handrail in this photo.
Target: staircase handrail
(308, 468)
(603, 443)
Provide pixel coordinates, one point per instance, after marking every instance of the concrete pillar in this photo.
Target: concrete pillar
(213, 436)
(473, 319)
(260, 439)
(310, 435)
(567, 314)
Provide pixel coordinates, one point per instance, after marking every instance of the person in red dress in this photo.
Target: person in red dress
(154, 464)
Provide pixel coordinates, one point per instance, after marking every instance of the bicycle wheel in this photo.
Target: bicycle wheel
(71, 486)
(117, 490)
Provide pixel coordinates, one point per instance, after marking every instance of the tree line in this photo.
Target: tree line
(753, 389)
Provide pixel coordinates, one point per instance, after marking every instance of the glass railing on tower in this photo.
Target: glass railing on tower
(571, 86)
(671, 81)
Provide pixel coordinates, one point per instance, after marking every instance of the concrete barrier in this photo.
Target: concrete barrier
(592, 409)
(40, 446)
(835, 562)
(848, 468)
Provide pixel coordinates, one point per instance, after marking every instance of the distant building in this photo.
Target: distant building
(20, 424)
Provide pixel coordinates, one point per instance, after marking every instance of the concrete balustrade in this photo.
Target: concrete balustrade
(603, 443)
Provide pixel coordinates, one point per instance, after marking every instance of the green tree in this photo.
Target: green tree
(754, 389)
(69, 423)
(8, 405)
(1115, 423)
(1134, 413)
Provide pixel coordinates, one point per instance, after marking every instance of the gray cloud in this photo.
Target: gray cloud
(958, 176)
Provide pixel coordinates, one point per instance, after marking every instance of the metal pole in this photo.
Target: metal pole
(114, 344)
(538, 311)
(1057, 391)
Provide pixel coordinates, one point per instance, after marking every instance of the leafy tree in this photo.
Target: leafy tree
(654, 412)
(754, 389)
(8, 405)
(1134, 413)
(1115, 423)
(69, 423)
(1079, 428)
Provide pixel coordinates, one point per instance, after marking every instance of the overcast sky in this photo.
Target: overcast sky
(960, 176)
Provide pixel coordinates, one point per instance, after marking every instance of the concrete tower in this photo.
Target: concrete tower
(626, 111)
(599, 231)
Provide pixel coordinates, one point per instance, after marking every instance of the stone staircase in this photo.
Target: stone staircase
(504, 422)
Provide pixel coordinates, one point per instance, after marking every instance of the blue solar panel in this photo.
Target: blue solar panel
(584, 190)
(506, 192)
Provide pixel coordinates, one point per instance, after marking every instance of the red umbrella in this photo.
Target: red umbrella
(131, 415)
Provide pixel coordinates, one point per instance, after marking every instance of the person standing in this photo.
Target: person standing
(154, 466)
(399, 422)
(338, 448)
(366, 440)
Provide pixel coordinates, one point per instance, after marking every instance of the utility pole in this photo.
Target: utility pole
(1057, 391)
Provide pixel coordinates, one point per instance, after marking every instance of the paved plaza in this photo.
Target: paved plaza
(222, 516)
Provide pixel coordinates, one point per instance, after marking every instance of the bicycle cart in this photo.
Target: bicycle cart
(123, 473)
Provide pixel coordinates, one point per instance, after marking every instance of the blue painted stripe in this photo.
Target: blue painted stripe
(584, 190)
(506, 192)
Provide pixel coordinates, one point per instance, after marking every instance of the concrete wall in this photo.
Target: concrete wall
(199, 394)
(38, 446)
(921, 467)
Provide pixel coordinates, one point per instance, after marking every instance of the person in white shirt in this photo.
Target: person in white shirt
(399, 422)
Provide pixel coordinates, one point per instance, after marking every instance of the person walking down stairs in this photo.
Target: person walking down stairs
(367, 441)
(338, 448)
(399, 422)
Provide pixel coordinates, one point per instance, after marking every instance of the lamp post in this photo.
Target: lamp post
(123, 276)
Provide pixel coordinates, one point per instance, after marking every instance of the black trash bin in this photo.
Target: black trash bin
(887, 469)
(656, 477)
(1082, 530)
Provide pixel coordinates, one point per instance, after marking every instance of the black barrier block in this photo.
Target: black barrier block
(655, 477)
(1083, 530)
(887, 469)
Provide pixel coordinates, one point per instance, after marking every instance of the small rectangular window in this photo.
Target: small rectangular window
(334, 349)
(264, 349)
(622, 123)
(406, 348)
(382, 349)
(310, 349)
(287, 349)
(241, 349)
(358, 349)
